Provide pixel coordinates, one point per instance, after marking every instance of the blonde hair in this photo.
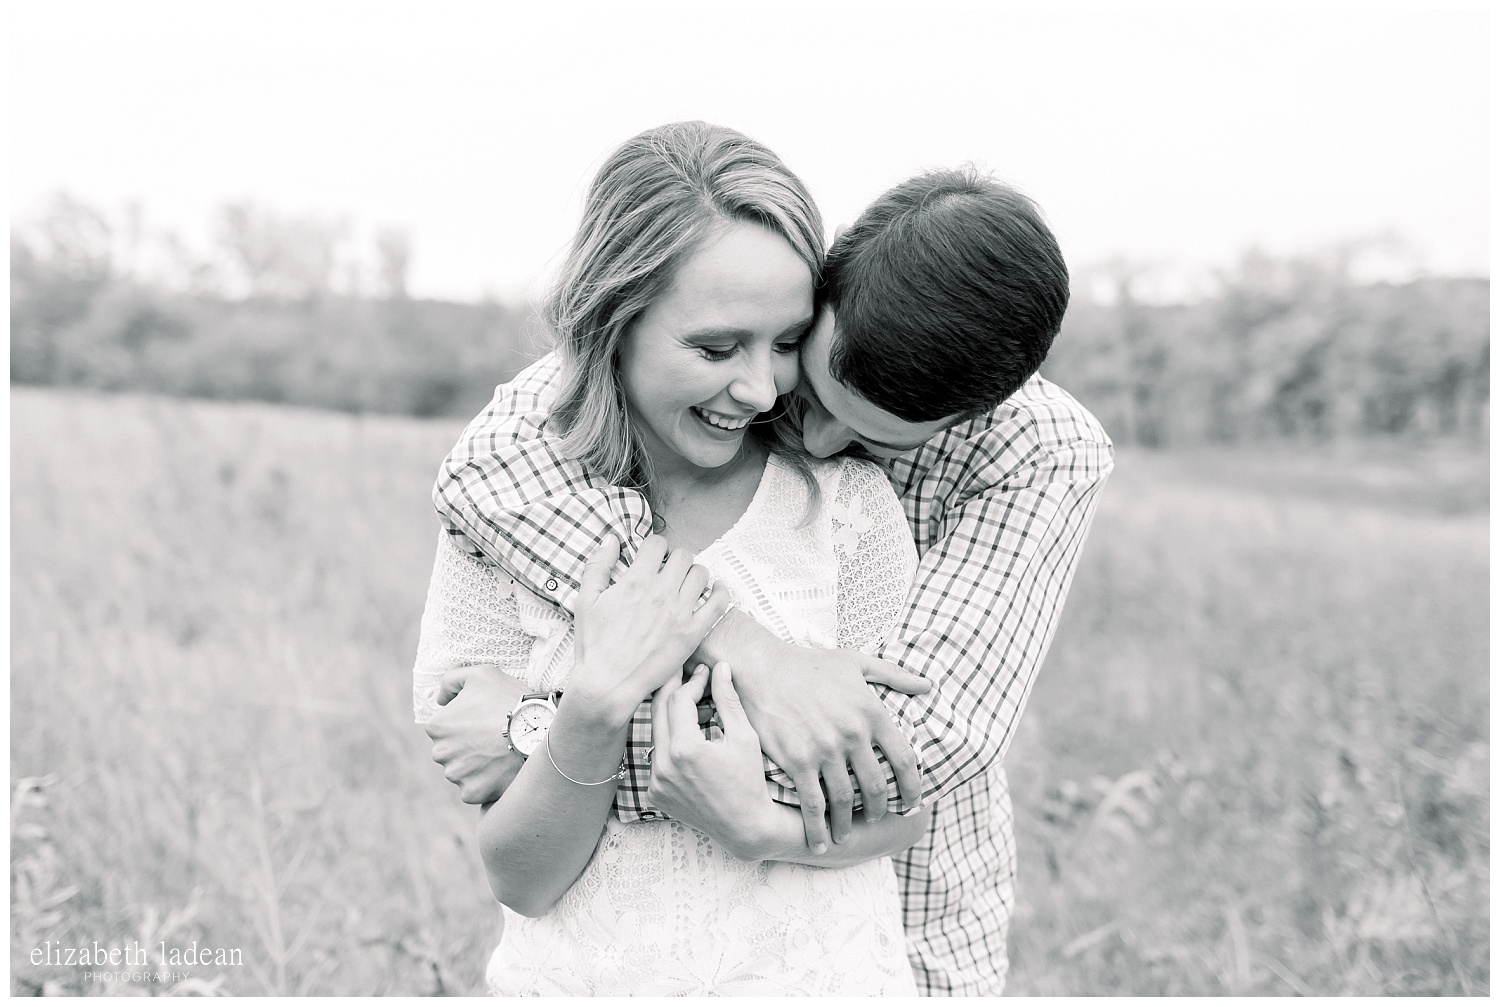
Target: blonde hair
(653, 202)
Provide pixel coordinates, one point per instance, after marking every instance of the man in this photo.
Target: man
(937, 308)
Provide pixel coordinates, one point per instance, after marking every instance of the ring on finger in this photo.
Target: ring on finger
(704, 595)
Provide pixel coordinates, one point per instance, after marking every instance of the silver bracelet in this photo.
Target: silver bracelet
(547, 744)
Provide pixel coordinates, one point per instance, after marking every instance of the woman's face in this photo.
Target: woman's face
(717, 348)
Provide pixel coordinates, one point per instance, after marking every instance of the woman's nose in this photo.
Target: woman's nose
(756, 385)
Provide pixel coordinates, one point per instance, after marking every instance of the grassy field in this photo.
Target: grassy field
(1257, 760)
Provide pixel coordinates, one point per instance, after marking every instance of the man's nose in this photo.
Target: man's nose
(822, 435)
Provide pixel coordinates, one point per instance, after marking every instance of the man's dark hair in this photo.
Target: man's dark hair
(947, 293)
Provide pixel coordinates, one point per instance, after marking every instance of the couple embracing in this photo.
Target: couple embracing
(742, 590)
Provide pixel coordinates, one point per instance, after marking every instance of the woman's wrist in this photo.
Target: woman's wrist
(583, 747)
(598, 707)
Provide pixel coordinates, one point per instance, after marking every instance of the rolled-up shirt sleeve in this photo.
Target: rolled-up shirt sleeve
(982, 615)
(508, 494)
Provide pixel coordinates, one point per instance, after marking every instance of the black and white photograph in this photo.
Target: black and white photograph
(675, 500)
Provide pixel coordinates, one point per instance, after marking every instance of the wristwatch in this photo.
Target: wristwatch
(529, 721)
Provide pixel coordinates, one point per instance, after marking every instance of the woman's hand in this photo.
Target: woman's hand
(632, 638)
(717, 786)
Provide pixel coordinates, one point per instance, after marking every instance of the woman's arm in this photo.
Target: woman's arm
(539, 836)
(629, 641)
(717, 785)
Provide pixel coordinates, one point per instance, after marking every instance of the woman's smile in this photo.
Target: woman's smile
(720, 421)
(717, 349)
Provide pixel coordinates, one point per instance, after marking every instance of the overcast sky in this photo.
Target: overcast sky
(1174, 138)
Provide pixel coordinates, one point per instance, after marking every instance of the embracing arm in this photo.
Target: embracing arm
(716, 785)
(630, 640)
(507, 494)
(982, 614)
(785, 839)
(986, 600)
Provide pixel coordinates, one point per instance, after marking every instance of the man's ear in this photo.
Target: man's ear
(838, 232)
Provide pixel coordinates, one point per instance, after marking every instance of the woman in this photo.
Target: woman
(678, 318)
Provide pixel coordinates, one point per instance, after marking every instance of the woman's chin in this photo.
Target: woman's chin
(715, 453)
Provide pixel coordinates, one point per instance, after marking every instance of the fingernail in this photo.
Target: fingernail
(820, 849)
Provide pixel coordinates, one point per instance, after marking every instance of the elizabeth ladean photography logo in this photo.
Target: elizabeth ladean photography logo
(136, 956)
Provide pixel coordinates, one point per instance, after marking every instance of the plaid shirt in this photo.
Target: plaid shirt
(999, 507)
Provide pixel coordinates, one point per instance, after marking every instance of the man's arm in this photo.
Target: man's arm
(981, 619)
(716, 785)
(468, 731)
(509, 496)
(985, 604)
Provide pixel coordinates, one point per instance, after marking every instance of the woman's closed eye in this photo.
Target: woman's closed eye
(717, 353)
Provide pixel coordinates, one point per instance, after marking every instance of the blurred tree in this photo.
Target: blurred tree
(1286, 347)
(393, 248)
(75, 240)
(1283, 347)
(276, 256)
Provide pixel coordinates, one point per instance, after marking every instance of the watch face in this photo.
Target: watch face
(528, 725)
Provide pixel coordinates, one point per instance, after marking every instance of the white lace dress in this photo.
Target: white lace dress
(662, 909)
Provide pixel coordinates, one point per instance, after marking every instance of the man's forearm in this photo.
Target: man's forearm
(741, 641)
(760, 660)
(866, 840)
(509, 494)
(983, 663)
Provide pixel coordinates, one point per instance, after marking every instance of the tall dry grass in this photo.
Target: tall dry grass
(1256, 762)
(214, 609)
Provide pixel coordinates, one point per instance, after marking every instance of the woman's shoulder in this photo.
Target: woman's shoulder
(830, 469)
(838, 479)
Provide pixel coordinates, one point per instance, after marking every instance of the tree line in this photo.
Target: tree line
(284, 309)
(1283, 347)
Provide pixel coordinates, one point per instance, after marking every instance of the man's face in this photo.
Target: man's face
(837, 416)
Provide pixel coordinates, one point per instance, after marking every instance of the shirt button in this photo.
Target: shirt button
(648, 816)
(551, 583)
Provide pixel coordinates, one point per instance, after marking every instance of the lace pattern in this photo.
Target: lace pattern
(662, 909)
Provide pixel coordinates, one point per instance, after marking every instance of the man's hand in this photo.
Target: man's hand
(468, 732)
(817, 716)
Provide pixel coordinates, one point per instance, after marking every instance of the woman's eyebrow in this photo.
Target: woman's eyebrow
(800, 328)
(730, 332)
(718, 332)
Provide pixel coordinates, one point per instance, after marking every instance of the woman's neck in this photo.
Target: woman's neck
(699, 505)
